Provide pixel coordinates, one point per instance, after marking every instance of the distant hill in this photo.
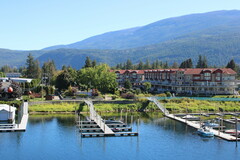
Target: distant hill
(160, 31)
(16, 58)
(214, 34)
(219, 49)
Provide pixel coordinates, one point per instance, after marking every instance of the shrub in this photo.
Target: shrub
(138, 91)
(114, 97)
(128, 95)
(168, 94)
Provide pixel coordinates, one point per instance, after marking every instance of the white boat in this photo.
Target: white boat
(205, 132)
(191, 118)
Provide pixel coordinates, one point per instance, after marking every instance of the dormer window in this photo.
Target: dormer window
(207, 76)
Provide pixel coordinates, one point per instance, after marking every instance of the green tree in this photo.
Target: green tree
(147, 65)
(147, 86)
(175, 65)
(64, 79)
(140, 65)
(129, 64)
(231, 64)
(49, 70)
(30, 66)
(94, 63)
(98, 77)
(202, 62)
(186, 64)
(88, 62)
(127, 84)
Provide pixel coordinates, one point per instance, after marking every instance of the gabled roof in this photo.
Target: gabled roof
(7, 108)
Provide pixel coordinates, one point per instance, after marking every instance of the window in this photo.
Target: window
(207, 76)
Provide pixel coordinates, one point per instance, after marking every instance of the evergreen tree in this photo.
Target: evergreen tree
(186, 64)
(64, 67)
(175, 65)
(231, 64)
(140, 65)
(129, 64)
(204, 63)
(147, 65)
(166, 65)
(88, 62)
(30, 66)
(199, 63)
(49, 70)
(158, 66)
(94, 63)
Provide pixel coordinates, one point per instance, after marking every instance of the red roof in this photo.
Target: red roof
(186, 70)
(212, 70)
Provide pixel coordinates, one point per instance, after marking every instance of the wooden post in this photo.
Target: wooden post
(131, 120)
(236, 131)
(121, 115)
(219, 123)
(126, 118)
(137, 125)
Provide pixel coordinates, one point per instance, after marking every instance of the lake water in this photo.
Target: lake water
(54, 137)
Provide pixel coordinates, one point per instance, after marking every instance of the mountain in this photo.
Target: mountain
(219, 49)
(16, 58)
(160, 31)
(215, 35)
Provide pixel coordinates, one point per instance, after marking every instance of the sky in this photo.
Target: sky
(36, 24)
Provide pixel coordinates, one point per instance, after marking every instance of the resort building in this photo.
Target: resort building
(207, 81)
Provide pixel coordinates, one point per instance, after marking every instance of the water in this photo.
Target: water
(54, 137)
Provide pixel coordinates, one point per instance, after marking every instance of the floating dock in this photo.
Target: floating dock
(217, 133)
(97, 127)
(196, 125)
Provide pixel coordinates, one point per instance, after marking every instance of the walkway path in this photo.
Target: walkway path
(98, 119)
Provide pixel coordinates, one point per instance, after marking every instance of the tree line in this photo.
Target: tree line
(157, 64)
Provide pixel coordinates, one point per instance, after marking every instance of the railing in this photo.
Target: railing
(160, 106)
(97, 118)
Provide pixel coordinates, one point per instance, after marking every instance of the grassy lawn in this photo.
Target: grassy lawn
(62, 107)
(191, 105)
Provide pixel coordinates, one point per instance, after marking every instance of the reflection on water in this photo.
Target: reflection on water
(56, 137)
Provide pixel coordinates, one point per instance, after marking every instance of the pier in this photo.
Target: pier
(97, 127)
(197, 125)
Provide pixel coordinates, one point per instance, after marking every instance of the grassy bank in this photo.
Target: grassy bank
(173, 105)
(191, 105)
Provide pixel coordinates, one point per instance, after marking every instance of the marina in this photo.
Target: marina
(196, 124)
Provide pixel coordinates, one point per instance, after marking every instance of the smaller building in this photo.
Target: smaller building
(7, 113)
(13, 75)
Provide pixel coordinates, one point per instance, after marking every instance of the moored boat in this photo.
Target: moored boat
(191, 118)
(211, 124)
(232, 132)
(205, 132)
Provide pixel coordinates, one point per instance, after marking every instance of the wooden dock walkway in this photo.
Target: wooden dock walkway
(98, 119)
(97, 127)
(217, 133)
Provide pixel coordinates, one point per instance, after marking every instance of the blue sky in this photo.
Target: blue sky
(36, 24)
